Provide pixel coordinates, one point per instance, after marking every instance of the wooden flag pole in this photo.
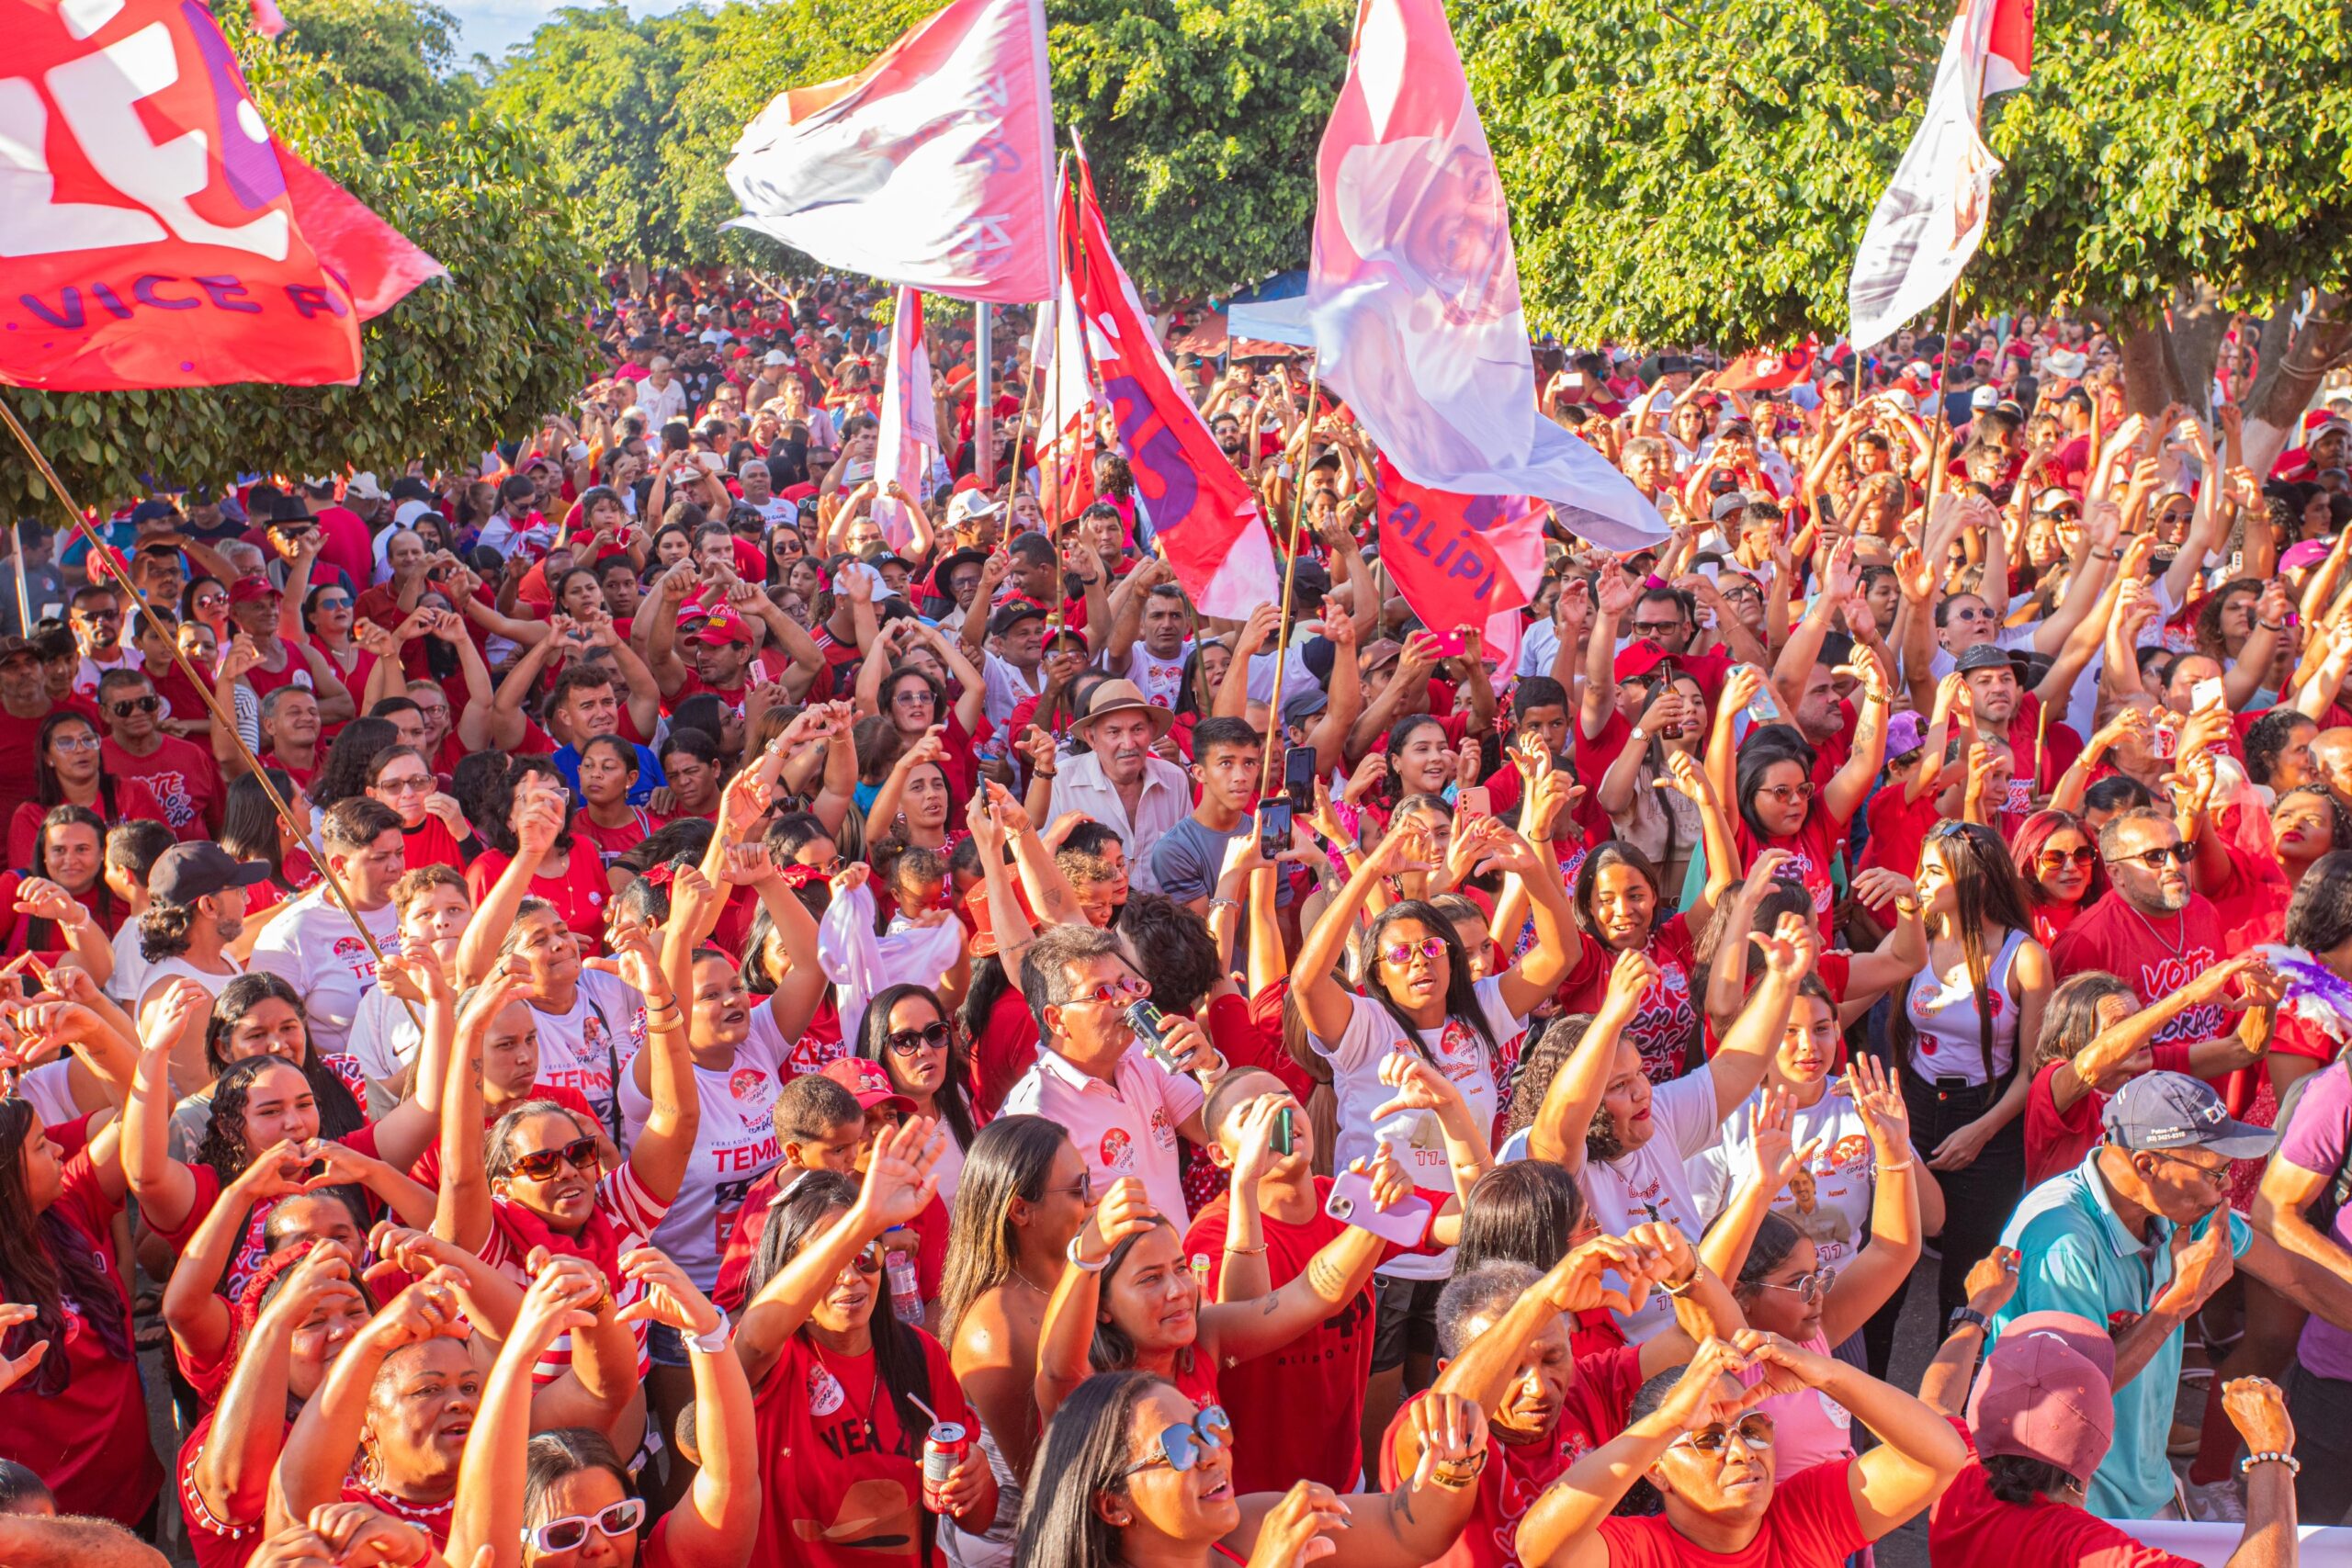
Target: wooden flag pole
(104, 555)
(1290, 578)
(24, 594)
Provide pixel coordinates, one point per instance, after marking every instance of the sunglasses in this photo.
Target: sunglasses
(909, 1041)
(541, 1165)
(1184, 1445)
(1754, 1432)
(124, 709)
(1790, 794)
(1126, 991)
(2051, 860)
(571, 1533)
(2155, 859)
(1404, 952)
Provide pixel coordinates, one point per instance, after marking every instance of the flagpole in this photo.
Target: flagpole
(1028, 401)
(983, 399)
(1290, 578)
(17, 555)
(226, 721)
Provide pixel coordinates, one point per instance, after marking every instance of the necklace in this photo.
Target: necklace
(1031, 1284)
(873, 1391)
(2176, 945)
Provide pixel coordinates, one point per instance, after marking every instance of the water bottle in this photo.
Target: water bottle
(906, 1296)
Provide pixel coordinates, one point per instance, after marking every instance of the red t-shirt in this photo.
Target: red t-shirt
(20, 759)
(430, 843)
(215, 1543)
(2057, 1140)
(577, 888)
(2060, 747)
(844, 1487)
(614, 842)
(1667, 1016)
(1898, 829)
(1599, 1402)
(1813, 846)
(2156, 958)
(1006, 1049)
(89, 1441)
(182, 777)
(1810, 1523)
(733, 1286)
(1323, 1370)
(1970, 1528)
(179, 695)
(133, 801)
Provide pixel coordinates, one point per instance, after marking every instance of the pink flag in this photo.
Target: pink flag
(933, 166)
(1462, 562)
(1201, 510)
(1413, 293)
(908, 441)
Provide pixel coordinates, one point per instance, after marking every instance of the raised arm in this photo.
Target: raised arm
(1755, 1035)
(1065, 1336)
(165, 1188)
(662, 1151)
(232, 1469)
(1573, 1097)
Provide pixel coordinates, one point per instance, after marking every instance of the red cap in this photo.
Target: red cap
(251, 587)
(1640, 656)
(969, 482)
(723, 627)
(869, 1083)
(2046, 1394)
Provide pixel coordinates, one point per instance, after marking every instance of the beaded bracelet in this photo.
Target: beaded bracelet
(2294, 1466)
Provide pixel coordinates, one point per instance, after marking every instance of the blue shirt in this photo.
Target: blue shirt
(2078, 1257)
(649, 776)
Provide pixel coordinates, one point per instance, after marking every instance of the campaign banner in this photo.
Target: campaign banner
(1462, 561)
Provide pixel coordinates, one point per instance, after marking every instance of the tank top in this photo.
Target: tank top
(1950, 1032)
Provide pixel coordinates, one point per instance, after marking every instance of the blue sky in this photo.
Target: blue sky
(489, 27)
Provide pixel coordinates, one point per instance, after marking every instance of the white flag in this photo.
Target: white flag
(1931, 219)
(907, 443)
(933, 166)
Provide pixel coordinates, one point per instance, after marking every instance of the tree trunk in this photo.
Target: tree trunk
(2296, 357)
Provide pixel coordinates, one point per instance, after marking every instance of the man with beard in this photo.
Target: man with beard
(183, 775)
(310, 944)
(2151, 928)
(1118, 782)
(196, 908)
(2004, 713)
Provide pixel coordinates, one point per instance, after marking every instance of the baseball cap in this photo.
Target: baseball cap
(186, 872)
(1906, 733)
(1640, 656)
(151, 511)
(2066, 364)
(1012, 613)
(1728, 506)
(251, 587)
(724, 628)
(2172, 1111)
(1986, 397)
(408, 511)
(775, 356)
(364, 487)
(2309, 552)
(2047, 1393)
(1303, 704)
(1983, 656)
(12, 646)
(968, 504)
(2054, 497)
(869, 1083)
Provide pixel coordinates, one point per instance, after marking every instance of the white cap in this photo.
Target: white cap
(408, 511)
(776, 357)
(364, 487)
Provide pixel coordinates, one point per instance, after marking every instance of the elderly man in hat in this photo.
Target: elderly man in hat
(1117, 781)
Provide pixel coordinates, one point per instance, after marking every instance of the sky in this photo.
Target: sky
(489, 27)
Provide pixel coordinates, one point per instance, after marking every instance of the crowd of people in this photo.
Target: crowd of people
(671, 997)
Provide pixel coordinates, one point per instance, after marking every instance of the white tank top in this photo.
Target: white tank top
(1950, 1033)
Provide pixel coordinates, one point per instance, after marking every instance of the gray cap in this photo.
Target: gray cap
(2162, 1112)
(1303, 704)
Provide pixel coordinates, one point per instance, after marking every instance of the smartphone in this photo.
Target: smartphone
(1151, 1032)
(2207, 694)
(2164, 741)
(1351, 1205)
(1284, 1129)
(1275, 820)
(1449, 645)
(1476, 800)
(1299, 778)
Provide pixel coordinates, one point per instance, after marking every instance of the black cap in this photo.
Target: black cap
(1012, 613)
(186, 872)
(1983, 656)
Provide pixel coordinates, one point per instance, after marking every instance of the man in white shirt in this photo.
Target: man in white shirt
(312, 945)
(1117, 781)
(1122, 1110)
(662, 395)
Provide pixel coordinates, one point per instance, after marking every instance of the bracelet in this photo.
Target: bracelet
(2271, 1456)
(1246, 1251)
(1969, 1316)
(1454, 1475)
(1680, 1287)
(1042, 772)
(714, 1343)
(1884, 1169)
(2265, 625)
(1080, 1264)
(1217, 904)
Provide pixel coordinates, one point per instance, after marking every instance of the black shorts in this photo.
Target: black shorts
(1405, 1321)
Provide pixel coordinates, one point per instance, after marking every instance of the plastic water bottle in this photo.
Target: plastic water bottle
(905, 1295)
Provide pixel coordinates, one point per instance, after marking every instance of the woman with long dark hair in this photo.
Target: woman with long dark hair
(840, 1382)
(66, 772)
(251, 829)
(63, 904)
(73, 1408)
(258, 1014)
(1962, 1030)
(1421, 998)
(1134, 1472)
(1770, 780)
(907, 1030)
(1026, 1192)
(348, 767)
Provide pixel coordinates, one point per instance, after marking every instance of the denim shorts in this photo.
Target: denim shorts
(665, 1345)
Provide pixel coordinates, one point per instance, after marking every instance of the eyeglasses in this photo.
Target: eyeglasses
(1809, 1288)
(1790, 794)
(1184, 1445)
(1656, 628)
(1115, 991)
(130, 705)
(571, 1533)
(1753, 1431)
(1084, 1191)
(541, 1165)
(1968, 615)
(2051, 860)
(2155, 859)
(418, 784)
(909, 1041)
(71, 743)
(1404, 952)
(2216, 1176)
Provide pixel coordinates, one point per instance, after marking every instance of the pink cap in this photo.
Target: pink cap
(2046, 1394)
(867, 1081)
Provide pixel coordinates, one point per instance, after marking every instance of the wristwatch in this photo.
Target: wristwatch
(1967, 1315)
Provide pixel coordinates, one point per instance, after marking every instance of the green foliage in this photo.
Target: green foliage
(1200, 118)
(461, 362)
(402, 56)
(1678, 172)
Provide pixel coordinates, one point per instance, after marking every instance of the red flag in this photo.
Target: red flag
(154, 232)
(1460, 560)
(1201, 510)
(1766, 369)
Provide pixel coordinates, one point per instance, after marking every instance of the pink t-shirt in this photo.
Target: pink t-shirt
(1808, 1427)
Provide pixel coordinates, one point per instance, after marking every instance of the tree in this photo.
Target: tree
(480, 357)
(403, 53)
(1679, 173)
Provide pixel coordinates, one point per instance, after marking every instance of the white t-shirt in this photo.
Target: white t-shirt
(735, 1143)
(128, 982)
(384, 1040)
(1413, 1137)
(311, 947)
(1125, 1127)
(1161, 681)
(582, 1049)
(1836, 1210)
(49, 1089)
(1005, 687)
(1649, 1184)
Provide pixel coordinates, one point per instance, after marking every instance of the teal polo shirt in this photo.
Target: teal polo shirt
(2077, 1257)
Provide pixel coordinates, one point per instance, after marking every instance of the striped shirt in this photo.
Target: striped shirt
(623, 1199)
